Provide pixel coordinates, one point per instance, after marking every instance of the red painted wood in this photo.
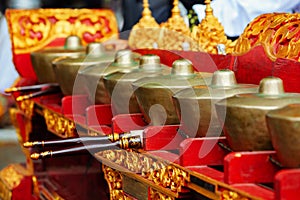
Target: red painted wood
(72, 105)
(162, 138)
(166, 155)
(249, 167)
(106, 130)
(256, 190)
(252, 66)
(24, 188)
(289, 72)
(208, 171)
(205, 62)
(99, 115)
(127, 122)
(287, 184)
(77, 118)
(202, 151)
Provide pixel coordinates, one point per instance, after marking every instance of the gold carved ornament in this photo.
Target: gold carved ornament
(59, 125)
(31, 30)
(12, 175)
(176, 35)
(27, 107)
(171, 35)
(155, 195)
(114, 181)
(210, 32)
(278, 33)
(144, 34)
(176, 21)
(159, 172)
(230, 195)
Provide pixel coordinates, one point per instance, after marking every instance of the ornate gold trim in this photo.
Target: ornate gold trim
(176, 22)
(156, 195)
(278, 33)
(159, 172)
(114, 181)
(27, 107)
(12, 175)
(31, 30)
(144, 34)
(230, 195)
(210, 32)
(59, 125)
(5, 193)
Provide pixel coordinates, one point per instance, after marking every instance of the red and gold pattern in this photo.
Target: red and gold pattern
(32, 30)
(278, 33)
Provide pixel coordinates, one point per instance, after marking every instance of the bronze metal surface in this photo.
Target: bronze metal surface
(284, 128)
(66, 68)
(125, 61)
(42, 59)
(195, 106)
(119, 83)
(154, 94)
(244, 121)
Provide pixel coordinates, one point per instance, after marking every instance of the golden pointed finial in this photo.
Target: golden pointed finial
(45, 154)
(24, 97)
(10, 90)
(27, 144)
(210, 33)
(176, 21)
(208, 9)
(32, 144)
(146, 11)
(175, 10)
(35, 156)
(147, 21)
(144, 34)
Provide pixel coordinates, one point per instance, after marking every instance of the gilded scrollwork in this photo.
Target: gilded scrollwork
(114, 181)
(176, 21)
(156, 195)
(171, 35)
(31, 30)
(175, 33)
(230, 195)
(5, 193)
(59, 125)
(144, 34)
(159, 172)
(210, 32)
(11, 177)
(278, 33)
(27, 107)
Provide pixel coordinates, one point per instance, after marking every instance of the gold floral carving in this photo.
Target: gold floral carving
(155, 195)
(176, 34)
(278, 33)
(210, 32)
(176, 22)
(59, 125)
(27, 107)
(230, 195)
(31, 30)
(144, 34)
(114, 181)
(159, 172)
(12, 175)
(171, 35)
(5, 193)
